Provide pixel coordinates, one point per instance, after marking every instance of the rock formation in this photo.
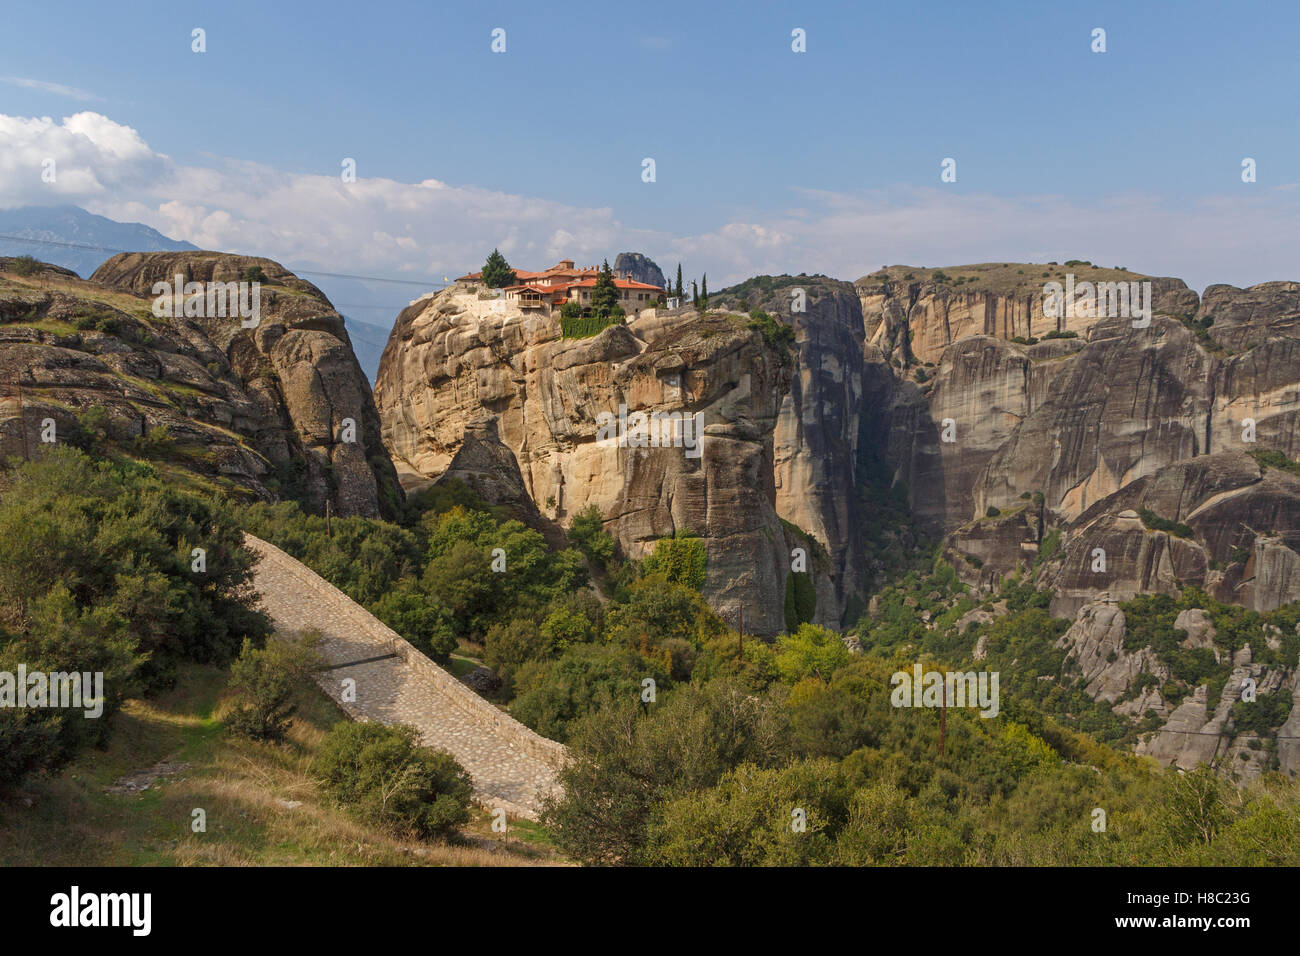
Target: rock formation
(633, 265)
(257, 410)
(463, 368)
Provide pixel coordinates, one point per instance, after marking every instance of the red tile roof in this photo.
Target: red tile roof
(582, 277)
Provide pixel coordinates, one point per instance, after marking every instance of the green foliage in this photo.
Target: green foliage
(626, 762)
(254, 273)
(811, 651)
(800, 599)
(681, 559)
(755, 817)
(587, 531)
(776, 333)
(584, 327)
(419, 617)
(585, 678)
(1156, 523)
(497, 273)
(265, 682)
(604, 295)
(24, 266)
(1263, 715)
(96, 575)
(383, 776)
(992, 512)
(1271, 458)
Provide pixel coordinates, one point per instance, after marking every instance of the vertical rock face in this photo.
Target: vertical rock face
(304, 401)
(915, 314)
(817, 430)
(1102, 420)
(640, 268)
(1128, 403)
(454, 362)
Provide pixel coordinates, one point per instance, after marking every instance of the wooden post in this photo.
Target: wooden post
(740, 631)
(329, 530)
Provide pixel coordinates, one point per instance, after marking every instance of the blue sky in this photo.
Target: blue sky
(1129, 157)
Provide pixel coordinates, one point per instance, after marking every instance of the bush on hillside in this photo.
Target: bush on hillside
(383, 776)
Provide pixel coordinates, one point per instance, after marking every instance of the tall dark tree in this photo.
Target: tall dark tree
(704, 292)
(604, 297)
(695, 293)
(680, 290)
(497, 273)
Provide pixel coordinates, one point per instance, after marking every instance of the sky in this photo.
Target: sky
(766, 160)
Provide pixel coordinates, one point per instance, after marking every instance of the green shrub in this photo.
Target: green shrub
(265, 682)
(1271, 458)
(800, 599)
(681, 559)
(586, 326)
(992, 511)
(24, 266)
(776, 334)
(1156, 523)
(382, 775)
(587, 531)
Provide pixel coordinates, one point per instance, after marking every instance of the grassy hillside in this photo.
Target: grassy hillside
(85, 816)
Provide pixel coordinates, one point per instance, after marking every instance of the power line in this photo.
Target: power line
(422, 283)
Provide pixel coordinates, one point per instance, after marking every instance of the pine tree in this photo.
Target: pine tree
(497, 273)
(680, 291)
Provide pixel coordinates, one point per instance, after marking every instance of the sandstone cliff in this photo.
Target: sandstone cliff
(259, 411)
(462, 367)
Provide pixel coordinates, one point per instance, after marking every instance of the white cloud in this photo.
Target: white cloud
(58, 89)
(426, 229)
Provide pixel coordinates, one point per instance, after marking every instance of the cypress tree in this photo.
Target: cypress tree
(497, 273)
(704, 292)
(604, 297)
(680, 292)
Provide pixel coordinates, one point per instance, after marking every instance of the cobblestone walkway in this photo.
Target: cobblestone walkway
(512, 766)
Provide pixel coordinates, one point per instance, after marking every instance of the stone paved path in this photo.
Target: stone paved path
(512, 766)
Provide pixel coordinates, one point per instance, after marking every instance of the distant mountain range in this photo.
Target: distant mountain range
(69, 236)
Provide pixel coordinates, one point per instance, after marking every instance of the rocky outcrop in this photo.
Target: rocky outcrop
(635, 266)
(1103, 420)
(1243, 318)
(820, 422)
(255, 410)
(457, 360)
(915, 314)
(1244, 526)
(1095, 642)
